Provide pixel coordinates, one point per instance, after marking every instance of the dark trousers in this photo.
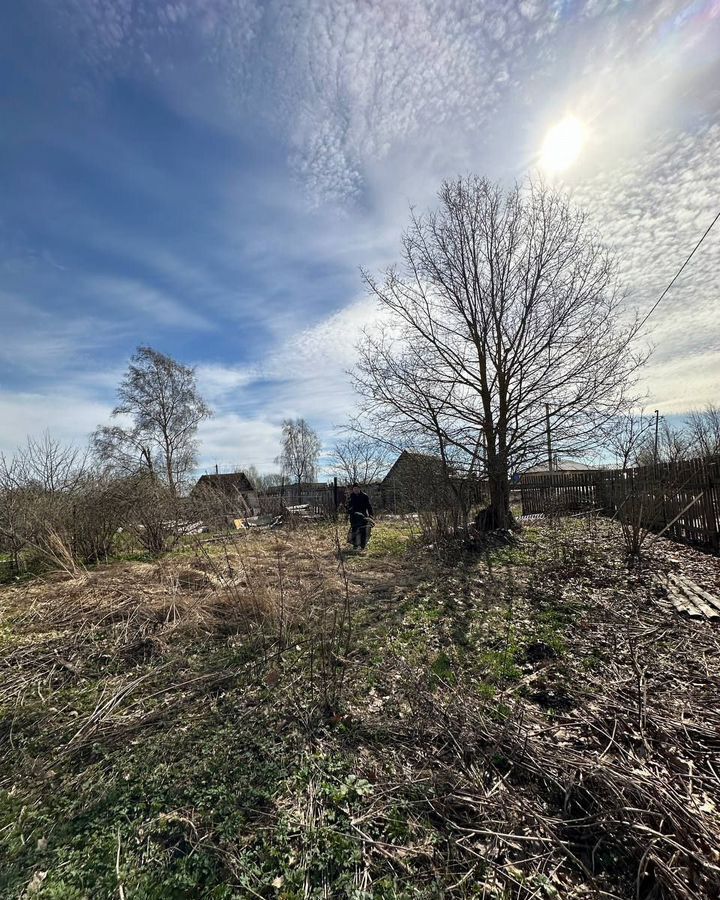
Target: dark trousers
(360, 530)
(360, 536)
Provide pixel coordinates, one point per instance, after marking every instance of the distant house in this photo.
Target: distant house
(234, 492)
(560, 465)
(408, 471)
(418, 481)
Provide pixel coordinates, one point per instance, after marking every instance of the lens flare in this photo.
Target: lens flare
(562, 145)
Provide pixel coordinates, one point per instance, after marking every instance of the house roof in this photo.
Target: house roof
(230, 483)
(561, 465)
(410, 456)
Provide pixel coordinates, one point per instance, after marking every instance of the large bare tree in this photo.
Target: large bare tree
(159, 397)
(505, 301)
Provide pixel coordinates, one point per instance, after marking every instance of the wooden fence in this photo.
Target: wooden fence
(320, 499)
(683, 498)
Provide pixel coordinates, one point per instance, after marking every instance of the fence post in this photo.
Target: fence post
(712, 512)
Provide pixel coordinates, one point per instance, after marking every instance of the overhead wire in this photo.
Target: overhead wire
(679, 272)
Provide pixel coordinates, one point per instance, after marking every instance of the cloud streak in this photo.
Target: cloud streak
(214, 172)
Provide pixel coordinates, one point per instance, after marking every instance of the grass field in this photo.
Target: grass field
(272, 717)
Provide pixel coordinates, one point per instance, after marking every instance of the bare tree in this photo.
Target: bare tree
(160, 397)
(300, 451)
(52, 466)
(262, 480)
(627, 435)
(673, 445)
(703, 430)
(505, 302)
(358, 458)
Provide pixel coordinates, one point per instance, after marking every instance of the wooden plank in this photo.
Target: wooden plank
(689, 587)
(682, 605)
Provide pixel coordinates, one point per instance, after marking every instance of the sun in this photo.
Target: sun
(562, 144)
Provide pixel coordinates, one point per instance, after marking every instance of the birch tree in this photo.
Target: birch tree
(161, 408)
(300, 451)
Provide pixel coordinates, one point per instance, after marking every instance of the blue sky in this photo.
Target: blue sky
(207, 176)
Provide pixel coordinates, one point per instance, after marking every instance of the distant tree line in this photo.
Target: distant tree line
(639, 439)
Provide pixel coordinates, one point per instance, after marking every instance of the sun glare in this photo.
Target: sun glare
(562, 144)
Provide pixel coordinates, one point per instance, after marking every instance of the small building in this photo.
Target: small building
(419, 481)
(559, 465)
(233, 493)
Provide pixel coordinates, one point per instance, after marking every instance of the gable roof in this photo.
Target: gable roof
(230, 483)
(410, 457)
(562, 465)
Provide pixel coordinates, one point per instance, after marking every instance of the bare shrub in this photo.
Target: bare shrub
(156, 517)
(650, 500)
(58, 509)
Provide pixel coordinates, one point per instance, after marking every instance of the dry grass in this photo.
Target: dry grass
(529, 723)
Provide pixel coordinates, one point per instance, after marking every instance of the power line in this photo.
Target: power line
(679, 271)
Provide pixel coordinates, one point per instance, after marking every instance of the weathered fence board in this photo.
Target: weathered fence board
(683, 497)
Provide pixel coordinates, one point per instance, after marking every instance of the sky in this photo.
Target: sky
(208, 177)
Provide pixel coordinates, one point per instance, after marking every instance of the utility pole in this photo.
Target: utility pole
(550, 508)
(549, 442)
(657, 423)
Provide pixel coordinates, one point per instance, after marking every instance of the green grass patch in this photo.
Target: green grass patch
(389, 540)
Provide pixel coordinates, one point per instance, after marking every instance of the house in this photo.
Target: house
(233, 492)
(560, 465)
(418, 481)
(410, 471)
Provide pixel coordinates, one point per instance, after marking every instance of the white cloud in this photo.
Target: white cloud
(305, 376)
(40, 343)
(652, 207)
(686, 382)
(354, 80)
(229, 440)
(68, 414)
(327, 348)
(220, 384)
(115, 35)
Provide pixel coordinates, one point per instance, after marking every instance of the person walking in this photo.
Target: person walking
(359, 512)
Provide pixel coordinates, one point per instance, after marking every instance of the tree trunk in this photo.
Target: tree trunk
(171, 480)
(497, 515)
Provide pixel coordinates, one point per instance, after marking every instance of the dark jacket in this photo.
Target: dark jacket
(359, 505)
